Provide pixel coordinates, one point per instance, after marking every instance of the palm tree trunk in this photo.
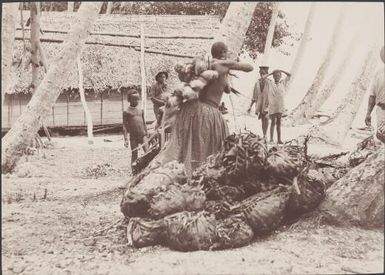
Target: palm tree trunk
(358, 197)
(8, 29)
(35, 39)
(270, 33)
(70, 6)
(301, 49)
(324, 94)
(336, 128)
(300, 114)
(38, 109)
(109, 7)
(234, 26)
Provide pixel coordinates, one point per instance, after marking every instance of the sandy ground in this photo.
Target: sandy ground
(57, 216)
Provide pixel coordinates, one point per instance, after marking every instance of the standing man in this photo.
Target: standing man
(377, 97)
(158, 94)
(261, 99)
(276, 91)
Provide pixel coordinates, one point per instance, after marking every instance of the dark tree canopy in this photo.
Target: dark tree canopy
(256, 34)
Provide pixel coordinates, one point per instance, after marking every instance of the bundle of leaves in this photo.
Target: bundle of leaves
(265, 211)
(145, 232)
(136, 200)
(233, 232)
(312, 189)
(175, 198)
(189, 231)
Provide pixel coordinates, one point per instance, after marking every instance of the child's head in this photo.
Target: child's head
(263, 70)
(277, 75)
(161, 77)
(133, 97)
(219, 50)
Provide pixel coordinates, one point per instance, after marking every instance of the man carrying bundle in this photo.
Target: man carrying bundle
(377, 97)
(261, 99)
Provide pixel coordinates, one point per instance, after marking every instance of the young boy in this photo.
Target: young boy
(276, 91)
(134, 124)
(261, 99)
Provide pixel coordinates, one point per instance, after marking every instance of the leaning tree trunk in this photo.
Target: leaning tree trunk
(24, 130)
(70, 6)
(270, 33)
(301, 49)
(109, 7)
(234, 26)
(358, 197)
(336, 128)
(330, 86)
(8, 29)
(300, 114)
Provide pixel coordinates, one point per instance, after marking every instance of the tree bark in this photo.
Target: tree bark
(24, 130)
(234, 26)
(8, 29)
(301, 49)
(358, 197)
(109, 7)
(336, 128)
(84, 103)
(270, 33)
(70, 6)
(300, 114)
(35, 38)
(330, 86)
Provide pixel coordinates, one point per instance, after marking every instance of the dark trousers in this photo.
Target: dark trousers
(135, 141)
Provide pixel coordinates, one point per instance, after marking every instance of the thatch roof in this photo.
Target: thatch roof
(111, 56)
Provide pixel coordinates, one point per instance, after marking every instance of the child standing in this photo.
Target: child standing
(276, 91)
(134, 124)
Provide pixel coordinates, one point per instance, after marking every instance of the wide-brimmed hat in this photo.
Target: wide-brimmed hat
(160, 73)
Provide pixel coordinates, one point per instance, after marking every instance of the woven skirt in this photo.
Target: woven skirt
(199, 132)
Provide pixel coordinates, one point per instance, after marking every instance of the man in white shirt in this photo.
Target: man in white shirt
(377, 97)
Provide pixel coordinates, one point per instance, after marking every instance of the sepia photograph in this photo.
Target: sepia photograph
(192, 137)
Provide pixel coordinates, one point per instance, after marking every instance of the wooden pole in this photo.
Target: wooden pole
(143, 72)
(84, 103)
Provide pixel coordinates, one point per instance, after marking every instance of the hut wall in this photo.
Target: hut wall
(105, 108)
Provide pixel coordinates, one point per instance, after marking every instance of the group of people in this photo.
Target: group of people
(199, 128)
(268, 95)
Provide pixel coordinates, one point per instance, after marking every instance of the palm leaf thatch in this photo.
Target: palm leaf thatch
(111, 56)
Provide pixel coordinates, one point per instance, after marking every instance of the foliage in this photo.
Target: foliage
(255, 36)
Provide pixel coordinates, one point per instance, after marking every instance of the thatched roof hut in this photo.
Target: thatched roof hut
(111, 56)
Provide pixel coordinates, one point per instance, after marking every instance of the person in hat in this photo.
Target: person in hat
(377, 97)
(134, 124)
(276, 90)
(200, 129)
(261, 99)
(158, 94)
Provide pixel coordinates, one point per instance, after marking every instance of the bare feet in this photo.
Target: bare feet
(280, 142)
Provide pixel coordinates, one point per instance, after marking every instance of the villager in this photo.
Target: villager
(200, 129)
(261, 99)
(134, 124)
(276, 91)
(158, 94)
(377, 97)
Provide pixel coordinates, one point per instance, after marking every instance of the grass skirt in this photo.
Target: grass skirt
(199, 132)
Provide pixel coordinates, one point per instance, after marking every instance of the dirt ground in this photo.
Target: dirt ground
(60, 211)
